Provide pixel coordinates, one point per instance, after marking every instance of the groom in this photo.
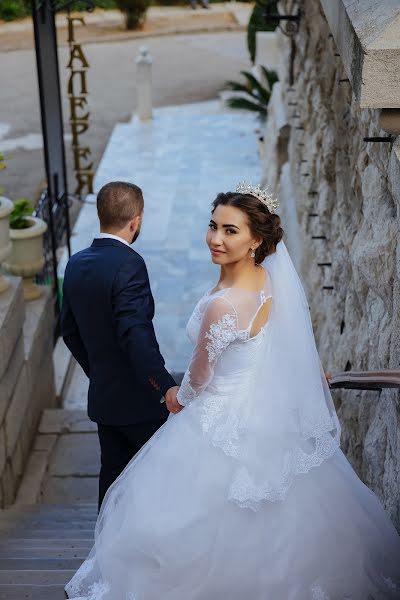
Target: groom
(106, 322)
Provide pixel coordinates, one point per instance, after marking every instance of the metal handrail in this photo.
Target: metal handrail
(366, 380)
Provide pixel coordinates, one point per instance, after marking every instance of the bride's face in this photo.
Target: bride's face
(229, 237)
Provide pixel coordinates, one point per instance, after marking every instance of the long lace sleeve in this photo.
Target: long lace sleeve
(218, 329)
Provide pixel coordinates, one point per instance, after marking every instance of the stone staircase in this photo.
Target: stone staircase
(41, 547)
(48, 532)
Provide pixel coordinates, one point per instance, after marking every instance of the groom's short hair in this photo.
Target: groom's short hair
(117, 203)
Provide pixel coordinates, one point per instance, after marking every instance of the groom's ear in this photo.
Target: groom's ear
(135, 222)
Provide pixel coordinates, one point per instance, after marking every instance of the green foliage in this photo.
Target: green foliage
(254, 95)
(13, 9)
(257, 23)
(22, 209)
(16, 9)
(134, 11)
(2, 162)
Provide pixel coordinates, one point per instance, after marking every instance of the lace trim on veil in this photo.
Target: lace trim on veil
(95, 591)
(248, 494)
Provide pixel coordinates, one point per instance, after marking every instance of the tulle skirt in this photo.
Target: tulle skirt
(168, 531)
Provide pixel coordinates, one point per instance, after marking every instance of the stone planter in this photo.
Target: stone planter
(26, 258)
(6, 207)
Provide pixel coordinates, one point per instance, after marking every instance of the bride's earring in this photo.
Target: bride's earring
(253, 254)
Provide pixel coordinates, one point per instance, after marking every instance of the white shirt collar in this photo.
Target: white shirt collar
(101, 236)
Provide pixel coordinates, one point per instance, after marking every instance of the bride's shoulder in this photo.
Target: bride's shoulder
(218, 304)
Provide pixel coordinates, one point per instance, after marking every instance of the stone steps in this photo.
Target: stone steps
(41, 547)
(27, 592)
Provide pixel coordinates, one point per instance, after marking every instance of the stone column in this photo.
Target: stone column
(144, 85)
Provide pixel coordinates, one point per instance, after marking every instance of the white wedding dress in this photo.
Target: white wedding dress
(244, 494)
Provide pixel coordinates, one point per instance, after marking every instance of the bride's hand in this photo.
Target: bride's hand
(171, 402)
(328, 377)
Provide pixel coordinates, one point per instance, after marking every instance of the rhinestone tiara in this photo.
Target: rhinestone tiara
(262, 195)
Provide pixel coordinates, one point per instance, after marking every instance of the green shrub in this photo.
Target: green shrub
(257, 23)
(13, 9)
(254, 95)
(22, 209)
(134, 11)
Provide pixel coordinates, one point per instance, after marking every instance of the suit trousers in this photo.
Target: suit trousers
(118, 445)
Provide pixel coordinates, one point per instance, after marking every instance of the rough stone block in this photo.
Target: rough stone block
(10, 376)
(12, 314)
(16, 411)
(30, 490)
(63, 362)
(38, 333)
(8, 484)
(18, 459)
(45, 443)
(3, 453)
(42, 393)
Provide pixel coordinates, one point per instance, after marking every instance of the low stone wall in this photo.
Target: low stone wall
(340, 202)
(26, 380)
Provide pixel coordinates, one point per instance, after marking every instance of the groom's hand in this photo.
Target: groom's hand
(171, 402)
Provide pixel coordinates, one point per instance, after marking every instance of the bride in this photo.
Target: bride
(245, 492)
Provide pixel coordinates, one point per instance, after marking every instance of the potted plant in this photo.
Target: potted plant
(6, 207)
(26, 258)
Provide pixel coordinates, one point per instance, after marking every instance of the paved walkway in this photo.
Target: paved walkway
(186, 68)
(181, 160)
(109, 25)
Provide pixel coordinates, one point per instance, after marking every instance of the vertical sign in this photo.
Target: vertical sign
(79, 115)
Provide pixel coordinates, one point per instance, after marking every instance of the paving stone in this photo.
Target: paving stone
(35, 577)
(45, 543)
(66, 421)
(79, 553)
(39, 564)
(76, 454)
(59, 534)
(75, 489)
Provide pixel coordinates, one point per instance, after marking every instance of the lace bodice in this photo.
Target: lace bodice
(220, 330)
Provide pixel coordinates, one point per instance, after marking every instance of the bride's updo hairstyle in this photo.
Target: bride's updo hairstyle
(262, 223)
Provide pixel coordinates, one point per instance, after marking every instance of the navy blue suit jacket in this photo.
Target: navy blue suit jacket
(106, 322)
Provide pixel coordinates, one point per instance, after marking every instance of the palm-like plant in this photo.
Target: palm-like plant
(254, 95)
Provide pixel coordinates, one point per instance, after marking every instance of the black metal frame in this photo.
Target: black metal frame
(53, 206)
(291, 21)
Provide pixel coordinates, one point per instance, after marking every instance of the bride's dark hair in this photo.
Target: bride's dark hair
(262, 223)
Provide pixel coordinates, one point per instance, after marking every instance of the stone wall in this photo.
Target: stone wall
(340, 200)
(26, 380)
